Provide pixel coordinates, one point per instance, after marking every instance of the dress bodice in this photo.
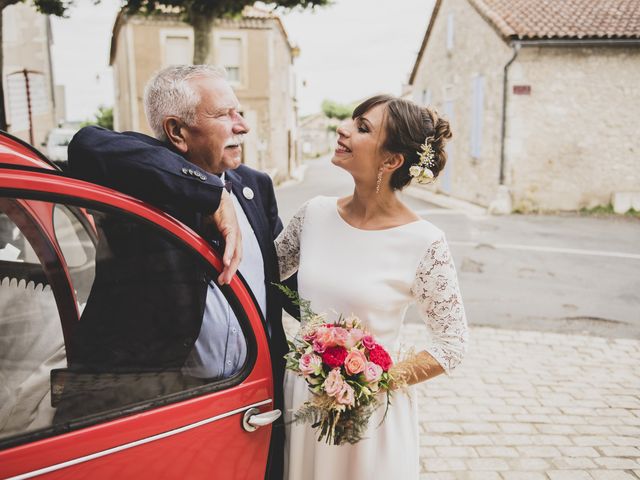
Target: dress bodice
(376, 275)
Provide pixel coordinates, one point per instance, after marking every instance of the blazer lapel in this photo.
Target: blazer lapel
(254, 214)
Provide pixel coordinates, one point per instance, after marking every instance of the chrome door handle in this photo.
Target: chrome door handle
(253, 419)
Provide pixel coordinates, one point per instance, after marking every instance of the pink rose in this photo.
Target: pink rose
(355, 335)
(355, 362)
(333, 383)
(310, 364)
(368, 341)
(372, 372)
(346, 396)
(324, 336)
(339, 336)
(318, 346)
(309, 337)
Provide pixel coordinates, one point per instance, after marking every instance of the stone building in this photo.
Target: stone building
(543, 97)
(317, 135)
(258, 57)
(26, 44)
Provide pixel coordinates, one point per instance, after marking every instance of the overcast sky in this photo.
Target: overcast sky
(349, 50)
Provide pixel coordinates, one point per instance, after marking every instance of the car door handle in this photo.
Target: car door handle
(253, 419)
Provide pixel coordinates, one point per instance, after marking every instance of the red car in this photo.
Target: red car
(159, 428)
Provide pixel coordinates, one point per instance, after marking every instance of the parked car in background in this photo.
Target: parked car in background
(56, 144)
(143, 423)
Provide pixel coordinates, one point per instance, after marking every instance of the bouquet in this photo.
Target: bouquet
(345, 369)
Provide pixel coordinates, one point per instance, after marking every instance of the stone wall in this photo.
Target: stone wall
(570, 143)
(449, 75)
(574, 140)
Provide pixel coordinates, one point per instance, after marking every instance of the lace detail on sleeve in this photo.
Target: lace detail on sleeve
(288, 244)
(437, 294)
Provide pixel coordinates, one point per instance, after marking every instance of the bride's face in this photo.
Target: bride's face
(360, 140)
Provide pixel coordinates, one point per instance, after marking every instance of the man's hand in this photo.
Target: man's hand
(226, 222)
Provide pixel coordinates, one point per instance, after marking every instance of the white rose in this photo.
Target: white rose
(414, 170)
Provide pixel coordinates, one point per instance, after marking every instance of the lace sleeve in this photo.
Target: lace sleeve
(437, 294)
(288, 244)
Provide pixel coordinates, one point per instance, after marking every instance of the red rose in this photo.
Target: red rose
(379, 356)
(334, 356)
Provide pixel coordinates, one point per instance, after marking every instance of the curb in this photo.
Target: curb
(444, 201)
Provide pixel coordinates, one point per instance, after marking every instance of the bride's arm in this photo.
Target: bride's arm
(436, 292)
(288, 245)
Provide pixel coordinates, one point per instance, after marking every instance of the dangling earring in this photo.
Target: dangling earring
(379, 182)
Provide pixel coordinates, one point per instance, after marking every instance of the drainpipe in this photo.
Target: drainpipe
(505, 81)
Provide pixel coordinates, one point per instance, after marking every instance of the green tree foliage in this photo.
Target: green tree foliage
(103, 118)
(337, 110)
(48, 7)
(200, 14)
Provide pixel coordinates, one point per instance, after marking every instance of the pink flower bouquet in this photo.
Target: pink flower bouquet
(345, 369)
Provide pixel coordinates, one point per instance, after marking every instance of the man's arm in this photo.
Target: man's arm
(144, 167)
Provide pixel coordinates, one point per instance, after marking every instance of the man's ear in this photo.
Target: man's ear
(393, 162)
(174, 130)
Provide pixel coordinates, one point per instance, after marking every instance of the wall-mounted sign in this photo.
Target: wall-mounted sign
(522, 89)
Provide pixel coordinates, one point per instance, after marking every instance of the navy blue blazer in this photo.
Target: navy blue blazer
(146, 168)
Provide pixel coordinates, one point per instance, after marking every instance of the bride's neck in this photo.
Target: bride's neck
(365, 204)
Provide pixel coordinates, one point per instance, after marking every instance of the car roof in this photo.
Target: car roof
(14, 151)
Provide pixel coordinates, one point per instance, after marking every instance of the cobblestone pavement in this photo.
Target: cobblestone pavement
(531, 405)
(528, 405)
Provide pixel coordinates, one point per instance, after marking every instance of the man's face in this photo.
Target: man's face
(214, 141)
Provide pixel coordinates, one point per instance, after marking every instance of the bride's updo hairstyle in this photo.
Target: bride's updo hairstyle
(407, 126)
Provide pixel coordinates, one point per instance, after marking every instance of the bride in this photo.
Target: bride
(370, 255)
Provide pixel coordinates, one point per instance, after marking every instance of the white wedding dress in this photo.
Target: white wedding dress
(376, 275)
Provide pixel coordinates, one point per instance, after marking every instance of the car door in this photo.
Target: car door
(101, 309)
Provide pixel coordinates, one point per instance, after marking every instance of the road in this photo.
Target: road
(556, 273)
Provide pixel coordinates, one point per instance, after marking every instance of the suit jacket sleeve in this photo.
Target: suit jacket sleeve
(143, 167)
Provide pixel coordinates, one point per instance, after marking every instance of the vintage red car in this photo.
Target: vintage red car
(220, 428)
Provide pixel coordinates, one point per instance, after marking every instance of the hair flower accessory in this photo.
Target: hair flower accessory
(423, 170)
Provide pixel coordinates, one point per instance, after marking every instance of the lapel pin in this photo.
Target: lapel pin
(248, 193)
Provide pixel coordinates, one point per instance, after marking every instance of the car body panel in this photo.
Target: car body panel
(197, 437)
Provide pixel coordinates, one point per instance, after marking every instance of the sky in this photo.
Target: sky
(349, 50)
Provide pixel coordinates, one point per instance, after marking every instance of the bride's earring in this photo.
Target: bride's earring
(379, 182)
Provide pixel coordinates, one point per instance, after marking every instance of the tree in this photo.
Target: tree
(103, 118)
(48, 7)
(200, 14)
(337, 110)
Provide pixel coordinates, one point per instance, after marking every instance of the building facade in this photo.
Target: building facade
(26, 42)
(542, 100)
(257, 55)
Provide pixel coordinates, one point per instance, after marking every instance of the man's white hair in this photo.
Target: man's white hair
(168, 93)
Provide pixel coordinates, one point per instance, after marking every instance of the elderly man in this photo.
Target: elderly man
(198, 128)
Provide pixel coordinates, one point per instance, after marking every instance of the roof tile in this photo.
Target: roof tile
(562, 19)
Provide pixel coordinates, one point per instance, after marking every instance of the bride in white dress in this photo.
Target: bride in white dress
(370, 255)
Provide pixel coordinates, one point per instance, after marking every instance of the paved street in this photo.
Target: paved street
(550, 387)
(561, 273)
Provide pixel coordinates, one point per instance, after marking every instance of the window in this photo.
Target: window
(126, 318)
(476, 115)
(426, 97)
(231, 57)
(177, 50)
(450, 32)
(31, 337)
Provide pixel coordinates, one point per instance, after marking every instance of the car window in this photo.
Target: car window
(150, 325)
(75, 234)
(31, 337)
